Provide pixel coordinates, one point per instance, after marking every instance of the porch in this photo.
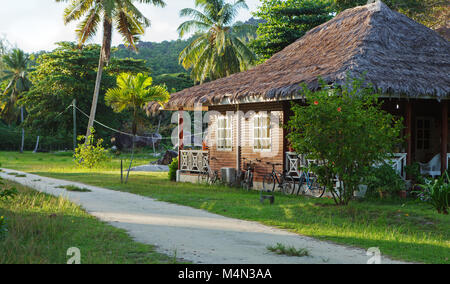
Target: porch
(425, 132)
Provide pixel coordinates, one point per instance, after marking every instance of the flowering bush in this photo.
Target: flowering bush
(90, 154)
(345, 130)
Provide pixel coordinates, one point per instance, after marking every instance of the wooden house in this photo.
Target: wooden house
(408, 62)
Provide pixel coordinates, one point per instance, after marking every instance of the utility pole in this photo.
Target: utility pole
(74, 106)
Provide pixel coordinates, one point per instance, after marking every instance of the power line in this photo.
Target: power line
(128, 134)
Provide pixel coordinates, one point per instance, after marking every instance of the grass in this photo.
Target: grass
(405, 230)
(41, 229)
(74, 188)
(288, 250)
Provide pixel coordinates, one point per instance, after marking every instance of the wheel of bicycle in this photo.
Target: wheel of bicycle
(288, 186)
(269, 183)
(214, 178)
(316, 189)
(299, 185)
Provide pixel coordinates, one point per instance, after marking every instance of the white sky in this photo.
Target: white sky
(35, 25)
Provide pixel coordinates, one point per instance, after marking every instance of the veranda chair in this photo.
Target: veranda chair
(432, 168)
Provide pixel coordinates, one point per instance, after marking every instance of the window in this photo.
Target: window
(261, 132)
(224, 133)
(423, 133)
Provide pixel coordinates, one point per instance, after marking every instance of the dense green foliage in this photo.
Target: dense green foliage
(161, 58)
(437, 193)
(174, 82)
(216, 51)
(383, 179)
(287, 21)
(345, 130)
(66, 74)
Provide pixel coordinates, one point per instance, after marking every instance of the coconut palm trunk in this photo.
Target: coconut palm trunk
(104, 59)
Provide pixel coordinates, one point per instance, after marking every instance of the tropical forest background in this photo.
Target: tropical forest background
(37, 90)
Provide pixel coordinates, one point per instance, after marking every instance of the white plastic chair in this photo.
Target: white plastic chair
(432, 168)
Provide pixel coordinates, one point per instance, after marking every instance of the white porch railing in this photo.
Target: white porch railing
(194, 161)
(398, 163)
(294, 161)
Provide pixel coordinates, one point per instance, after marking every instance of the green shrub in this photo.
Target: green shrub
(173, 168)
(7, 193)
(383, 179)
(346, 131)
(90, 155)
(413, 171)
(437, 193)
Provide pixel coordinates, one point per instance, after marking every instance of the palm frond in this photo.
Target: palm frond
(88, 27)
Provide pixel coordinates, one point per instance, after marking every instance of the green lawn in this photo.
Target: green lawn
(406, 230)
(41, 228)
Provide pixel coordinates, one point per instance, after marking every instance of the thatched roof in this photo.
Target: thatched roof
(399, 56)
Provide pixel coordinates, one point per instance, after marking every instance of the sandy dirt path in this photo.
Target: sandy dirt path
(194, 235)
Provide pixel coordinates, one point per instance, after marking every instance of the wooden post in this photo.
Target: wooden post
(408, 133)
(180, 136)
(238, 143)
(444, 133)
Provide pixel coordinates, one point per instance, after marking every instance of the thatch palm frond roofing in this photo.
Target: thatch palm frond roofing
(396, 54)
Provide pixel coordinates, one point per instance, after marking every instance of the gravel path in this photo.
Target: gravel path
(195, 235)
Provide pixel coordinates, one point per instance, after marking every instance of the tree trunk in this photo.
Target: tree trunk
(23, 130)
(104, 58)
(37, 145)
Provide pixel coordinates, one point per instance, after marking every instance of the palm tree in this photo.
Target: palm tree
(216, 52)
(134, 92)
(129, 22)
(16, 73)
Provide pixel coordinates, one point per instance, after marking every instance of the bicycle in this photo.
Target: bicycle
(209, 176)
(247, 176)
(313, 187)
(285, 183)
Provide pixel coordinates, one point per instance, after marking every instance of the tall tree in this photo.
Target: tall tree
(216, 52)
(129, 21)
(134, 93)
(287, 21)
(68, 73)
(16, 73)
